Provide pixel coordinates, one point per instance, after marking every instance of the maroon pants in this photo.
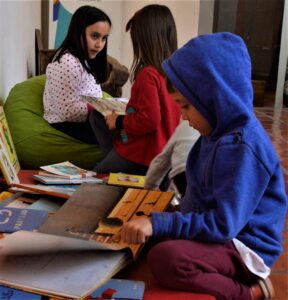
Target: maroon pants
(213, 269)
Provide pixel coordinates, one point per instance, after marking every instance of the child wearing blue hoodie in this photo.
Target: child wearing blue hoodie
(227, 235)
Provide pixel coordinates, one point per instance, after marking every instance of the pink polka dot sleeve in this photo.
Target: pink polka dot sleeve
(65, 83)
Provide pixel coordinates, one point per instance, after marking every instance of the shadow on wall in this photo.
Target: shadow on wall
(29, 70)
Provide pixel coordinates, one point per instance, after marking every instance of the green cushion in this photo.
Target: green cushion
(36, 142)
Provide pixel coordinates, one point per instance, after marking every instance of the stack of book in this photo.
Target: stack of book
(58, 180)
(65, 173)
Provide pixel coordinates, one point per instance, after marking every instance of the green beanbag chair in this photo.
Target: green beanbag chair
(36, 142)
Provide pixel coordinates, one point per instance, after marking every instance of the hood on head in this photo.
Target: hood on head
(213, 72)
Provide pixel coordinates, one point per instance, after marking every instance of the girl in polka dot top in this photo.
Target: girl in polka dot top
(78, 68)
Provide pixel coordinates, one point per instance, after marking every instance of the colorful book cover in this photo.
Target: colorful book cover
(119, 289)
(6, 139)
(126, 180)
(66, 170)
(14, 219)
(8, 171)
(7, 293)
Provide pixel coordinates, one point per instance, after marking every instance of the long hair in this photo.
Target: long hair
(75, 41)
(154, 37)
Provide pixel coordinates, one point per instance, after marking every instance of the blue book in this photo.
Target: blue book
(11, 294)
(46, 204)
(14, 219)
(120, 289)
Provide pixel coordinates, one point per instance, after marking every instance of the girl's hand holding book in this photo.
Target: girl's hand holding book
(111, 120)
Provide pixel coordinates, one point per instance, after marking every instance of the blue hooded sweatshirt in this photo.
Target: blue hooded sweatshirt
(235, 186)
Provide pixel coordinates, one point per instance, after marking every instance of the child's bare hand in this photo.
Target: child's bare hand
(136, 231)
(111, 120)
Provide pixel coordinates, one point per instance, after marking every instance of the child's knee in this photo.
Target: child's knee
(162, 261)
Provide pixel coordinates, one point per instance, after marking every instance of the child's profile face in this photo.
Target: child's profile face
(191, 114)
(96, 37)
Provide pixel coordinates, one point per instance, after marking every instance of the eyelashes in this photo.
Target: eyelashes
(96, 36)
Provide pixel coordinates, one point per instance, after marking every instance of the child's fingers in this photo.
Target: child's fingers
(134, 232)
(116, 238)
(136, 237)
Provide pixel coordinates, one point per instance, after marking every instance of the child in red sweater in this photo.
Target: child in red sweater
(130, 142)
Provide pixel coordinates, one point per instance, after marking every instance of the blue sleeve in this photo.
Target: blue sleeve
(232, 193)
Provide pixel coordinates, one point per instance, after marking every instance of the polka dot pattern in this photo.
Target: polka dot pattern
(66, 81)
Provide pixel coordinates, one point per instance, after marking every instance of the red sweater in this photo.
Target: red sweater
(152, 116)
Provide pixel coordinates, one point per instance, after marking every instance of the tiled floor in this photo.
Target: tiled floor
(276, 124)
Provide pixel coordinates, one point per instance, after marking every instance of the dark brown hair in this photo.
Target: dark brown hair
(154, 37)
(83, 17)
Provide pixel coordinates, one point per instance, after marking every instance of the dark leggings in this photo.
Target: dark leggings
(112, 161)
(80, 131)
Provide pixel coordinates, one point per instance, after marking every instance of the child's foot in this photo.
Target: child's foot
(262, 290)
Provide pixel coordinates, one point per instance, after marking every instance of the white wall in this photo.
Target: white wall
(186, 14)
(18, 20)
(112, 8)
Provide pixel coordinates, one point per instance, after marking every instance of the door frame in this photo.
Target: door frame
(206, 10)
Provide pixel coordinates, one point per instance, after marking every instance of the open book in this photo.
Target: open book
(107, 105)
(73, 252)
(63, 275)
(89, 220)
